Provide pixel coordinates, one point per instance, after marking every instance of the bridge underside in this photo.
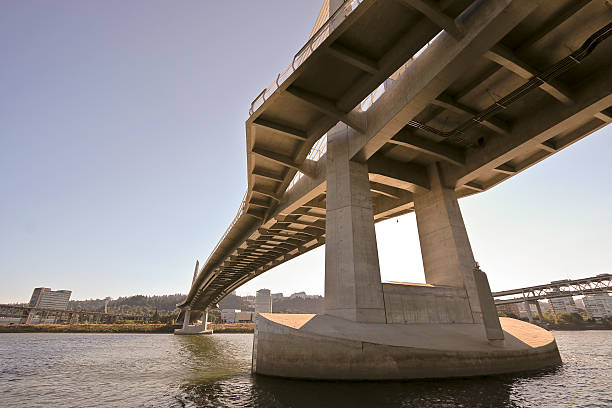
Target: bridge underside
(476, 90)
(423, 102)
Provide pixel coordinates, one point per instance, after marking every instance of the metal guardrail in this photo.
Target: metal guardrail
(302, 55)
(238, 215)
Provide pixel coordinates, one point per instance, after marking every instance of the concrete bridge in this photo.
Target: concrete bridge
(398, 106)
(27, 314)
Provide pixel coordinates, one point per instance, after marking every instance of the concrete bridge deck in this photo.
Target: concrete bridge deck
(484, 88)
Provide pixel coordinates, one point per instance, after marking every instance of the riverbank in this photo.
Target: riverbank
(117, 328)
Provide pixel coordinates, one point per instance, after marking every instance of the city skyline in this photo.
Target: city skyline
(108, 188)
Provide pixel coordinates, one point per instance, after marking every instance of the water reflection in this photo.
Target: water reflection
(38, 370)
(229, 383)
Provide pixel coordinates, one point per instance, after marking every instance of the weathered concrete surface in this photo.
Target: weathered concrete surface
(447, 254)
(326, 347)
(352, 274)
(193, 330)
(413, 303)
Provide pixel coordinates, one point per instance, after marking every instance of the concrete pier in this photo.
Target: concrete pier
(327, 347)
(420, 104)
(187, 328)
(372, 330)
(353, 289)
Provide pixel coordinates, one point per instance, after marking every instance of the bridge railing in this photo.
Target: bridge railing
(238, 214)
(302, 55)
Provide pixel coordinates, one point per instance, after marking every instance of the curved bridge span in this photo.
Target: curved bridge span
(416, 101)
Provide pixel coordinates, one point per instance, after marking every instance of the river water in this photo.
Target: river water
(156, 370)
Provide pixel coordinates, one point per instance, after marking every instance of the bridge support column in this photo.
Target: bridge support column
(205, 320)
(353, 288)
(529, 312)
(447, 255)
(27, 318)
(186, 318)
(42, 317)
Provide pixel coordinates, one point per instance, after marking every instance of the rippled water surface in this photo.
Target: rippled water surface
(132, 370)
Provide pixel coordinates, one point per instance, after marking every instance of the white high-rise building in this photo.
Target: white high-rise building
(563, 305)
(229, 315)
(263, 301)
(46, 298)
(598, 306)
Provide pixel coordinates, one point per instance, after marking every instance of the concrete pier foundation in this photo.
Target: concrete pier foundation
(327, 347)
(187, 328)
(373, 330)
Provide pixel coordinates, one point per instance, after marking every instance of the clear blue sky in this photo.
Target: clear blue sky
(122, 156)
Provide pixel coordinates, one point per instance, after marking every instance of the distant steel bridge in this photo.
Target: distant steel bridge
(27, 313)
(561, 288)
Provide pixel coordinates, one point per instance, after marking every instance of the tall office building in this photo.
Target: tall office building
(563, 305)
(598, 306)
(46, 298)
(263, 301)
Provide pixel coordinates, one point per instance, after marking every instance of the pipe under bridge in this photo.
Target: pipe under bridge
(399, 106)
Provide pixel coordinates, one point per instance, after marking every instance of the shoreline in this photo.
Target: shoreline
(146, 328)
(159, 328)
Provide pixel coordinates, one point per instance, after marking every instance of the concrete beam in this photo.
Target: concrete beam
(325, 106)
(506, 169)
(409, 173)
(451, 154)
(387, 191)
(447, 102)
(505, 57)
(354, 58)
(434, 12)
(267, 193)
(260, 173)
(539, 127)
(554, 23)
(548, 145)
(282, 160)
(285, 130)
(485, 23)
(474, 186)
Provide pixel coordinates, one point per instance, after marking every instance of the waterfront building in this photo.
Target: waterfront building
(510, 309)
(229, 315)
(244, 317)
(563, 305)
(263, 301)
(50, 299)
(298, 295)
(598, 306)
(250, 300)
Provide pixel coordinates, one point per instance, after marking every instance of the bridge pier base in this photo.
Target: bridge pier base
(202, 328)
(373, 330)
